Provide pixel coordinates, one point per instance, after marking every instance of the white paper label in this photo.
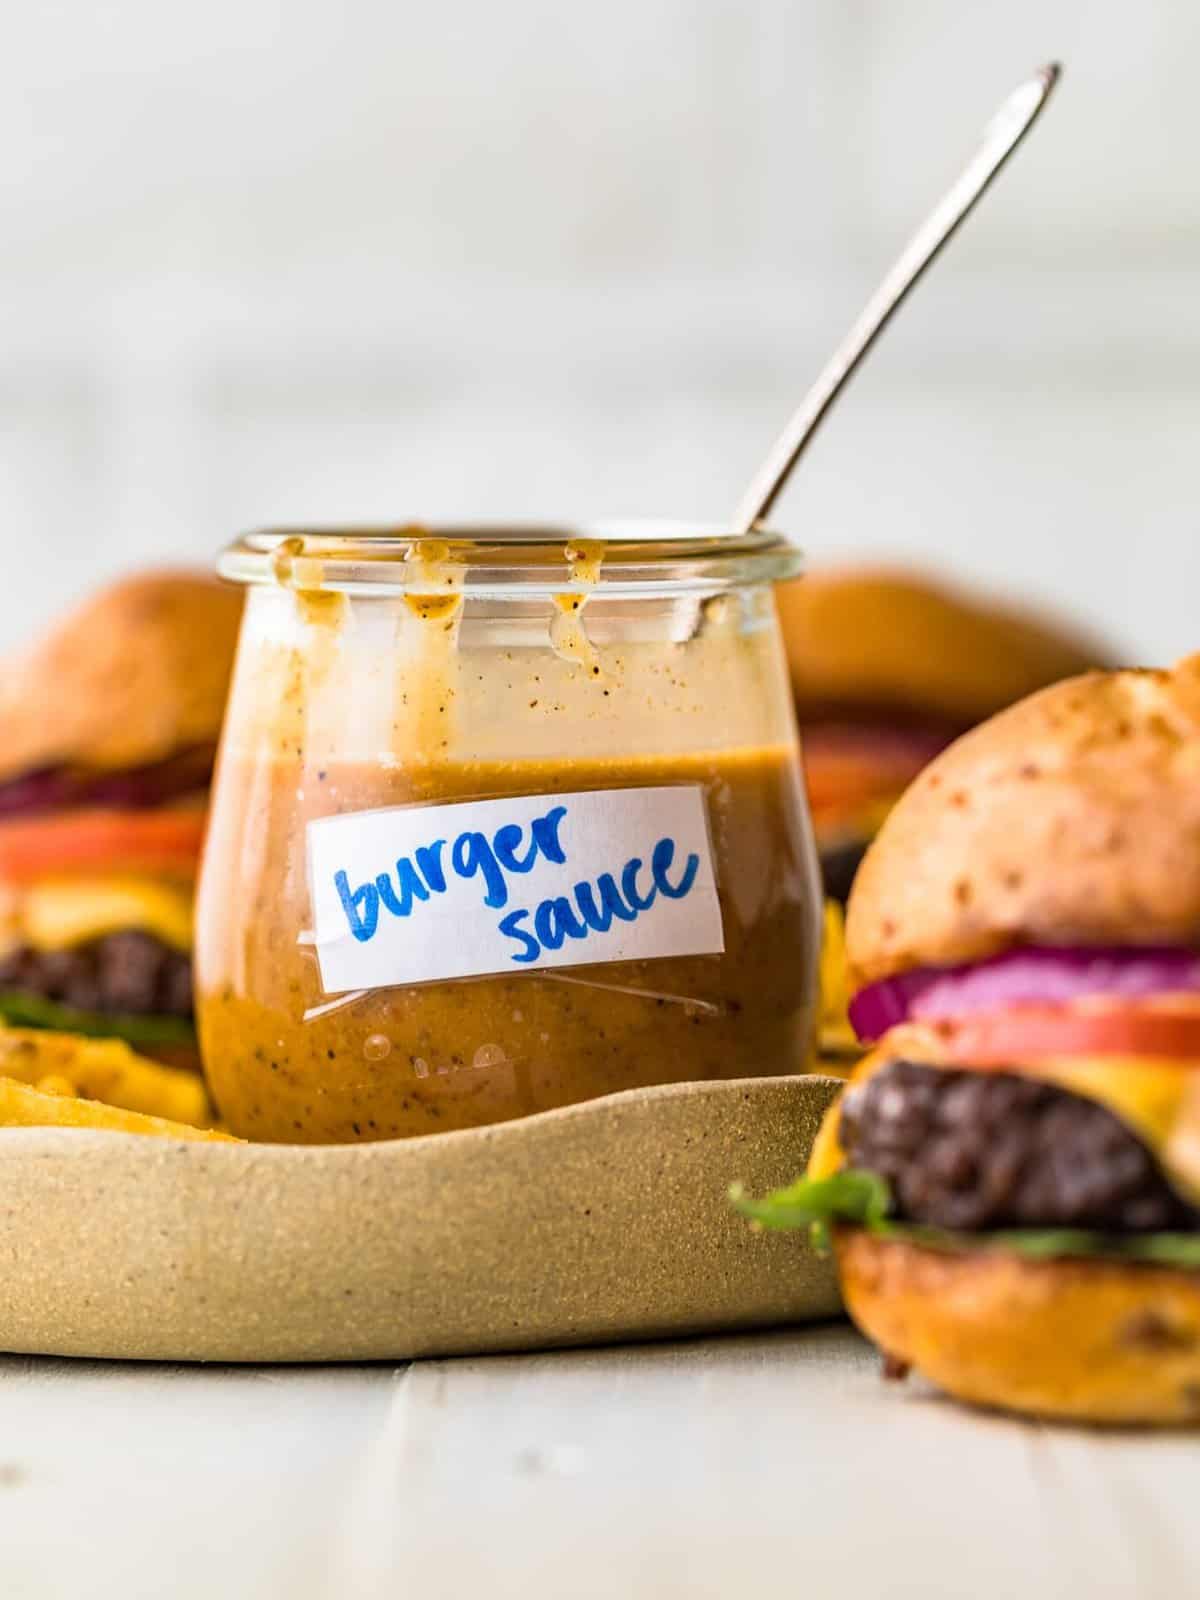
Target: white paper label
(416, 893)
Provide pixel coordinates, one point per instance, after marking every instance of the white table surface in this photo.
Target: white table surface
(749, 1467)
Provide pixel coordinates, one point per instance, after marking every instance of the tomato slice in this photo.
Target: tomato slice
(166, 842)
(1169, 1026)
(847, 767)
(841, 779)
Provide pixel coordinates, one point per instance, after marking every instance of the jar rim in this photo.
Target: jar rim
(620, 557)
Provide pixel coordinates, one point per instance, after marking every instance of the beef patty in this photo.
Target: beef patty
(976, 1150)
(127, 972)
(839, 863)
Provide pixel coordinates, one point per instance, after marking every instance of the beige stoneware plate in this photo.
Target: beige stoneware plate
(602, 1221)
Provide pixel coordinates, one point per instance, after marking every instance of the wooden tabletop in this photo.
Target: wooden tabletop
(773, 1464)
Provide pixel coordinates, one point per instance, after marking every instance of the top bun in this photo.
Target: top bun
(132, 675)
(1070, 819)
(886, 639)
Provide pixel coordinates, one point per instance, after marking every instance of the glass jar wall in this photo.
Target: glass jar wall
(407, 670)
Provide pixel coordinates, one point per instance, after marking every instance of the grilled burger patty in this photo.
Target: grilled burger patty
(979, 1150)
(127, 972)
(839, 863)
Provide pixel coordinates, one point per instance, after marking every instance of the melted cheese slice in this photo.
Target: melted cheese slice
(59, 913)
(835, 1036)
(1156, 1097)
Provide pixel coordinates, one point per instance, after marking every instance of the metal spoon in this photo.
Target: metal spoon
(1001, 137)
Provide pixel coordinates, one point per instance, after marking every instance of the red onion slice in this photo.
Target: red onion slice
(138, 788)
(1038, 974)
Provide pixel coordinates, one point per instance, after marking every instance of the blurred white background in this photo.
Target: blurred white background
(385, 260)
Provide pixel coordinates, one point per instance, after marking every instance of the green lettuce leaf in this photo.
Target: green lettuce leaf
(863, 1198)
(816, 1203)
(22, 1010)
(1056, 1244)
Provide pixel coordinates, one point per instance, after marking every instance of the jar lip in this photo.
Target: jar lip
(627, 556)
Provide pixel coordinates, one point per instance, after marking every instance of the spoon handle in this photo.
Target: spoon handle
(1002, 136)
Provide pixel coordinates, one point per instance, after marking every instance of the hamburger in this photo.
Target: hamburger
(888, 668)
(1011, 1179)
(108, 730)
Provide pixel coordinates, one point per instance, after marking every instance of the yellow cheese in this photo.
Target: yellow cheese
(827, 1155)
(10, 919)
(59, 913)
(835, 1036)
(1157, 1097)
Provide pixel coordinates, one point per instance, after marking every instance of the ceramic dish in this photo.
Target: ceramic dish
(602, 1221)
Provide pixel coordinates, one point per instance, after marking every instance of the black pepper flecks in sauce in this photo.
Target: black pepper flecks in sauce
(486, 1049)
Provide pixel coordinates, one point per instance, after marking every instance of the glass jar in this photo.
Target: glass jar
(571, 854)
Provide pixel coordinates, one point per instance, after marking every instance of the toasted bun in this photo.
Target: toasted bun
(1091, 1341)
(1072, 818)
(134, 674)
(883, 639)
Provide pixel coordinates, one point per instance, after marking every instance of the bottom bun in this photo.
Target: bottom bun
(1091, 1341)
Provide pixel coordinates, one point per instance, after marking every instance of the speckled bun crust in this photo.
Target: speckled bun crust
(1089, 1341)
(1072, 818)
(881, 638)
(132, 675)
